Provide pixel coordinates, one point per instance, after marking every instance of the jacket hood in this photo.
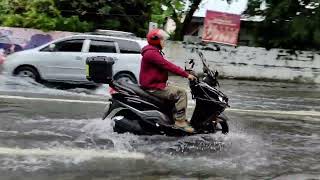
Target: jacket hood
(149, 48)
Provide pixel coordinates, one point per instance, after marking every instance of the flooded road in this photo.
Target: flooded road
(46, 133)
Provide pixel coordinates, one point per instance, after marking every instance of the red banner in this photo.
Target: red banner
(221, 28)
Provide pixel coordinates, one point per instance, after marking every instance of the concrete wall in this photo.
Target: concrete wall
(253, 63)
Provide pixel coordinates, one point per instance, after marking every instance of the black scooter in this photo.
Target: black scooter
(134, 110)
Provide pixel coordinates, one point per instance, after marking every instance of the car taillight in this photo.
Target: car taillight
(2, 58)
(112, 91)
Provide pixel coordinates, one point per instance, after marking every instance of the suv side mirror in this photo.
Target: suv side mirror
(52, 47)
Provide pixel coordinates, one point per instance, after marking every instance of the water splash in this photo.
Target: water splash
(102, 131)
(27, 85)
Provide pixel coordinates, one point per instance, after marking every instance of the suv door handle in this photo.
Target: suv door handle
(115, 59)
(78, 58)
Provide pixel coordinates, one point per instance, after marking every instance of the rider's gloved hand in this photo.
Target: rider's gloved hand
(192, 77)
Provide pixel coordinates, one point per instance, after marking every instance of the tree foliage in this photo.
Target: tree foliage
(129, 15)
(293, 24)
(193, 7)
(177, 11)
(85, 15)
(40, 14)
(165, 9)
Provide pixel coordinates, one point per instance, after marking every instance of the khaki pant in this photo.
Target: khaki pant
(174, 93)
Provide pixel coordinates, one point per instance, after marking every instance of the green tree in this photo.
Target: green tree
(293, 24)
(193, 7)
(130, 15)
(174, 9)
(177, 11)
(40, 14)
(180, 14)
(83, 15)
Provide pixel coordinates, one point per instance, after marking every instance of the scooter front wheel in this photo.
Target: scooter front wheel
(224, 127)
(222, 124)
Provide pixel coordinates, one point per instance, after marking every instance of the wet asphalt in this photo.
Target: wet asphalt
(49, 133)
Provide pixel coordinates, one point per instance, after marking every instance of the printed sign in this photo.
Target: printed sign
(221, 28)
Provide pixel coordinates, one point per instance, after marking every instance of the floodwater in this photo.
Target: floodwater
(52, 134)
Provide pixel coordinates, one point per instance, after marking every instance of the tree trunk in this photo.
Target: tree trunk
(187, 20)
(177, 20)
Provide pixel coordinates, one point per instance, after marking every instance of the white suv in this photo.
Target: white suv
(63, 60)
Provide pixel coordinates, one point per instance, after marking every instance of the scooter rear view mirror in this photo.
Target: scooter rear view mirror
(192, 63)
(216, 74)
(189, 65)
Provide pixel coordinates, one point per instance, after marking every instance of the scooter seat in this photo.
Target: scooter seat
(142, 93)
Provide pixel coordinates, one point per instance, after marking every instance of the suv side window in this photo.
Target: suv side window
(74, 45)
(98, 46)
(128, 47)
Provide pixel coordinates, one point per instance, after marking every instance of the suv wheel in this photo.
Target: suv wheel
(26, 71)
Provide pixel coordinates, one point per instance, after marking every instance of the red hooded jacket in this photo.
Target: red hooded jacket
(154, 69)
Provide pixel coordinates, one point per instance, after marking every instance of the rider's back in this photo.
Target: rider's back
(154, 69)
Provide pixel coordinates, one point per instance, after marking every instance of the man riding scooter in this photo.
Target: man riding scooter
(154, 75)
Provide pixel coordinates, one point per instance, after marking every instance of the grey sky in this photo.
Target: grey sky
(236, 7)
